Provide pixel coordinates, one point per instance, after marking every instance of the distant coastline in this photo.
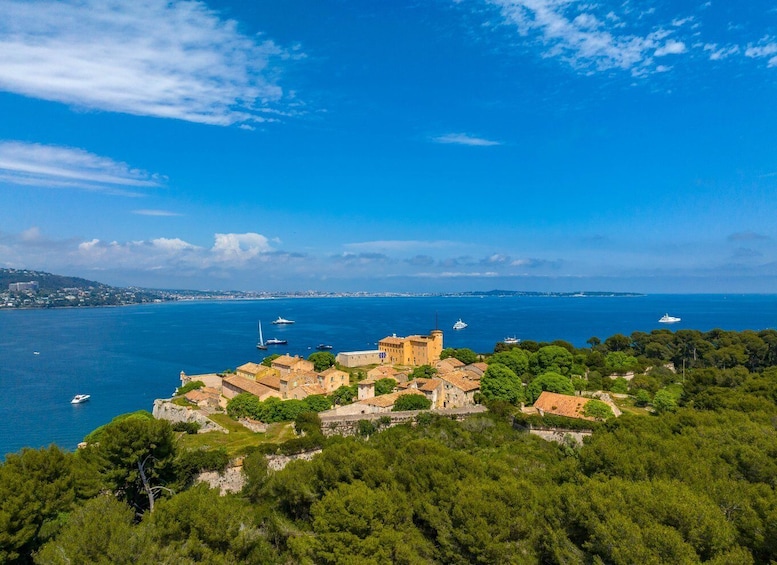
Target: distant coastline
(41, 290)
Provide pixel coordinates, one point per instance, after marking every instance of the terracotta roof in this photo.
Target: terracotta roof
(252, 368)
(449, 364)
(247, 385)
(392, 340)
(285, 360)
(273, 381)
(332, 370)
(471, 375)
(201, 395)
(562, 405)
(382, 370)
(460, 382)
(430, 385)
(481, 366)
(367, 381)
(306, 390)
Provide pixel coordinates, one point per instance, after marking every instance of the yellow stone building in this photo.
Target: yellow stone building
(413, 350)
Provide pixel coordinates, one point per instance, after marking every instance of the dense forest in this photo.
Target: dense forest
(689, 478)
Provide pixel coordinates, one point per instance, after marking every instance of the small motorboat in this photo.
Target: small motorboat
(79, 398)
(282, 321)
(323, 347)
(276, 341)
(459, 325)
(511, 340)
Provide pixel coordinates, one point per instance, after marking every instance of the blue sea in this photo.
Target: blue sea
(126, 357)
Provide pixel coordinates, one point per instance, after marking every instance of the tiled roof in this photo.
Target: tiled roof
(391, 340)
(562, 405)
(332, 371)
(285, 360)
(480, 365)
(460, 382)
(252, 368)
(272, 381)
(306, 390)
(430, 385)
(248, 385)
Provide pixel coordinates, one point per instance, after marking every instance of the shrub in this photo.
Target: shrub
(412, 402)
(188, 427)
(188, 387)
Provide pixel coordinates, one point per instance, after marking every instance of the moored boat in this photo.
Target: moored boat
(511, 340)
(260, 344)
(323, 347)
(282, 321)
(79, 398)
(459, 325)
(276, 341)
(667, 319)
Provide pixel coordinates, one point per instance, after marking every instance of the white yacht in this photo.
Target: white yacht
(79, 398)
(511, 340)
(276, 341)
(667, 319)
(282, 321)
(459, 325)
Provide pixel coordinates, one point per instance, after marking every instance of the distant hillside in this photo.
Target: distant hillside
(47, 281)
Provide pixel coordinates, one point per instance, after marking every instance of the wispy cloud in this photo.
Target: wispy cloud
(464, 139)
(167, 59)
(32, 164)
(161, 213)
(398, 245)
(767, 47)
(747, 236)
(589, 41)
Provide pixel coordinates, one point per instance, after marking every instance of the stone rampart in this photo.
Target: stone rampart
(349, 425)
(164, 409)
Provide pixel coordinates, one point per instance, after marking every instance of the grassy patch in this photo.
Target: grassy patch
(181, 401)
(627, 406)
(239, 438)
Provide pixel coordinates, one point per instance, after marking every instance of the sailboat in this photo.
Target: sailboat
(260, 344)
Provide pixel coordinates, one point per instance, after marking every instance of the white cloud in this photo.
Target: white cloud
(763, 50)
(717, 53)
(167, 59)
(162, 213)
(239, 247)
(573, 33)
(464, 139)
(172, 244)
(31, 164)
(671, 47)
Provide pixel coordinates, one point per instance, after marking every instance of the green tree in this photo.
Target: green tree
(500, 383)
(318, 402)
(267, 361)
(515, 359)
(664, 401)
(99, 532)
(137, 459)
(191, 385)
(37, 489)
(244, 405)
(463, 354)
(620, 362)
(597, 409)
(552, 382)
(385, 386)
(344, 395)
(412, 402)
(551, 358)
(423, 372)
(322, 360)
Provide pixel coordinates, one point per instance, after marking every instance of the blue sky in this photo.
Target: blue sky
(391, 146)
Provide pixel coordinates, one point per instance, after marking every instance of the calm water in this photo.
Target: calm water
(126, 357)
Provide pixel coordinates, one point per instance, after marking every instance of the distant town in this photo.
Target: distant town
(28, 289)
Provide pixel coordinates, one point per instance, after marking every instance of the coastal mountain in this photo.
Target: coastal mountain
(46, 281)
